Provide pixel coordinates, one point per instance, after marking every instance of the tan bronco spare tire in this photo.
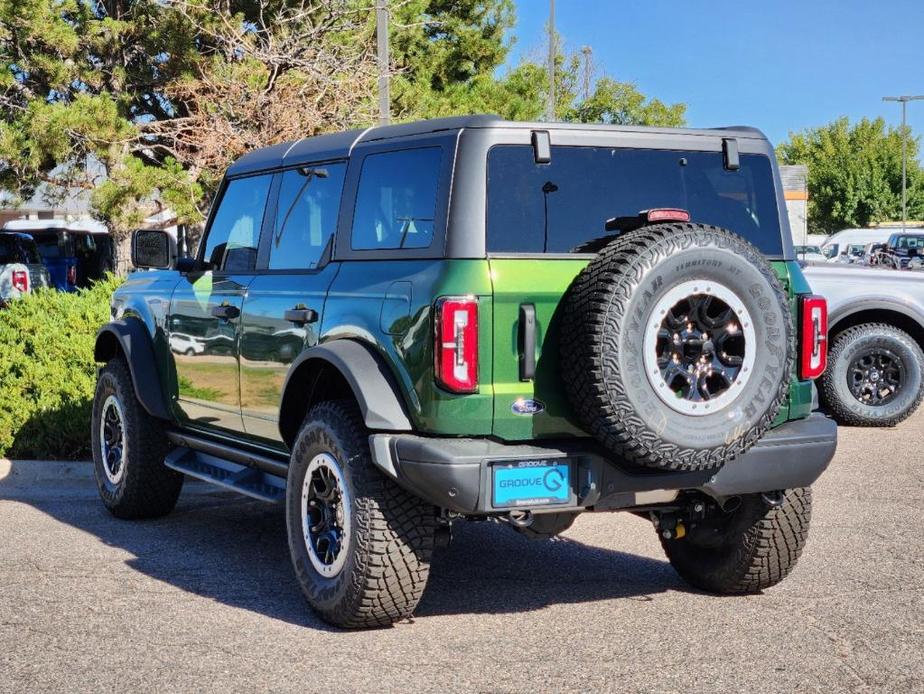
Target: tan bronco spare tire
(677, 346)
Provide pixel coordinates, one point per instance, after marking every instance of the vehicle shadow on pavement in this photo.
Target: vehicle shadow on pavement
(490, 569)
(233, 550)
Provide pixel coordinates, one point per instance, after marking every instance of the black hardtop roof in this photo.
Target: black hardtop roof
(339, 145)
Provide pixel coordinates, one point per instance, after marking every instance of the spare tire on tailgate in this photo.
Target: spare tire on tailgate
(677, 346)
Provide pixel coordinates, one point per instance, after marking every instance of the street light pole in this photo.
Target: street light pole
(903, 100)
(381, 33)
(550, 107)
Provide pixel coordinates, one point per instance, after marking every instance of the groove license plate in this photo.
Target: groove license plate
(531, 483)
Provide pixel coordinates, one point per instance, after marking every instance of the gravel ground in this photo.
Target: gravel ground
(205, 600)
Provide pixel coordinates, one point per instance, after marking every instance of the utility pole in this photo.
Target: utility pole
(381, 33)
(553, 54)
(586, 51)
(903, 100)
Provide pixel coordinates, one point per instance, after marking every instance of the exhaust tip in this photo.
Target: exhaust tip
(521, 519)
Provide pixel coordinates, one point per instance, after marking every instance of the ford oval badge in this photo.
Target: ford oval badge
(526, 408)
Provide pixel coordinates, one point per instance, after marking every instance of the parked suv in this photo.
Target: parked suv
(21, 269)
(75, 253)
(903, 248)
(492, 320)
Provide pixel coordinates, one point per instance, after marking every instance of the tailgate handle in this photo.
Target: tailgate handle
(527, 339)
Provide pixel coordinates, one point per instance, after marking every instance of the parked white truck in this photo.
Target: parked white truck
(875, 374)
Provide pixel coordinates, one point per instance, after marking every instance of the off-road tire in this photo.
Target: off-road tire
(391, 536)
(147, 488)
(760, 546)
(604, 316)
(833, 389)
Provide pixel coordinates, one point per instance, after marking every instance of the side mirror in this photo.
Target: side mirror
(153, 249)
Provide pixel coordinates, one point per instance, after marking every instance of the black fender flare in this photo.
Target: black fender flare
(374, 386)
(131, 337)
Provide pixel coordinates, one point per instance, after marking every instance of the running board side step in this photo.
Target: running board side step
(225, 473)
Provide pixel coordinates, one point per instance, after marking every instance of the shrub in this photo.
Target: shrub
(47, 372)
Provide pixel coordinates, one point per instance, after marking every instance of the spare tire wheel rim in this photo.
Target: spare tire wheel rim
(326, 510)
(699, 347)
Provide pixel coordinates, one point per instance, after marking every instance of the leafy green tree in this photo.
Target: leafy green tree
(621, 103)
(447, 55)
(444, 54)
(146, 102)
(140, 100)
(521, 95)
(855, 173)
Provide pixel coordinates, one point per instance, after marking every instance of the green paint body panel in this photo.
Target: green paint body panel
(388, 306)
(543, 283)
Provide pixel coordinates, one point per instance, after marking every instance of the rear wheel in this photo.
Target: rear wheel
(745, 551)
(875, 376)
(129, 447)
(360, 544)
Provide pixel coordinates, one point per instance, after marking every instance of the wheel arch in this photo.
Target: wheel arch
(342, 368)
(130, 339)
(895, 315)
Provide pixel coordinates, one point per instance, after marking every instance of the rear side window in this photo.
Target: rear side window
(51, 246)
(396, 200)
(14, 249)
(231, 244)
(306, 216)
(8, 252)
(562, 207)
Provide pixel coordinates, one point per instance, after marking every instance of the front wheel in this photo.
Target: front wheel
(747, 550)
(129, 447)
(360, 544)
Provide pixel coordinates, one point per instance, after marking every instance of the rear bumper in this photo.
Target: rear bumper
(456, 473)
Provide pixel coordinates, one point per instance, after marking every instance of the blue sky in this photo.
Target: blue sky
(779, 66)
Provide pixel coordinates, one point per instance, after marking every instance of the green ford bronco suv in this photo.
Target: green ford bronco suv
(395, 329)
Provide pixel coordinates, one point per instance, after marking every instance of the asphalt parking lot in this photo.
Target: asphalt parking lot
(205, 599)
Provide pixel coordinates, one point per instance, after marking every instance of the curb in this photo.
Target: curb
(30, 471)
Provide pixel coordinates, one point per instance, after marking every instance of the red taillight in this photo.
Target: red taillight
(21, 280)
(813, 351)
(456, 344)
(72, 274)
(667, 214)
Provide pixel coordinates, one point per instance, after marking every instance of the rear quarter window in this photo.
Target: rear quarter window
(396, 200)
(14, 249)
(562, 207)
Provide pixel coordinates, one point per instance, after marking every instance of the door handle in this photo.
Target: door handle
(226, 312)
(300, 315)
(527, 342)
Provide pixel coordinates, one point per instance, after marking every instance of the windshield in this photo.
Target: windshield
(562, 207)
(807, 249)
(908, 242)
(830, 251)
